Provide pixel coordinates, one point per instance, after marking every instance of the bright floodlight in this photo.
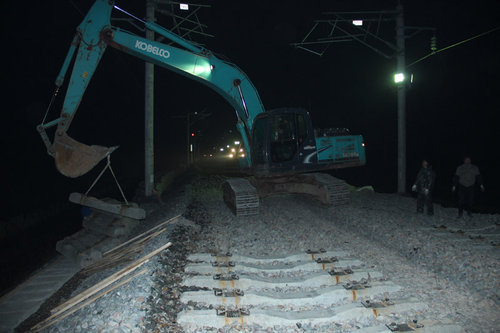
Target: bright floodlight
(236, 142)
(357, 23)
(184, 6)
(399, 77)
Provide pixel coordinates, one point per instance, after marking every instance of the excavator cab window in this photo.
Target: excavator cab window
(259, 142)
(301, 129)
(283, 137)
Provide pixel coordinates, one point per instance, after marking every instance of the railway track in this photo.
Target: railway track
(317, 289)
(265, 286)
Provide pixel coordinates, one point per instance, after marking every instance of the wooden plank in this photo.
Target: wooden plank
(141, 235)
(53, 318)
(104, 283)
(115, 258)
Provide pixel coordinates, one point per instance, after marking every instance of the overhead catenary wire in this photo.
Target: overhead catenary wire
(453, 45)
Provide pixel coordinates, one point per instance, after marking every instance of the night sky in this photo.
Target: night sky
(452, 106)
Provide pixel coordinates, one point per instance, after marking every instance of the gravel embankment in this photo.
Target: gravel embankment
(458, 277)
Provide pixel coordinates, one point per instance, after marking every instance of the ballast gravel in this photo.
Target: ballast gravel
(450, 264)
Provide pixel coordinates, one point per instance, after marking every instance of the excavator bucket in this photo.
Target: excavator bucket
(74, 159)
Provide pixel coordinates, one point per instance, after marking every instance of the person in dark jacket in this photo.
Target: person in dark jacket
(424, 184)
(465, 179)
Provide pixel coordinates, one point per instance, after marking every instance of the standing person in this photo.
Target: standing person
(424, 184)
(466, 177)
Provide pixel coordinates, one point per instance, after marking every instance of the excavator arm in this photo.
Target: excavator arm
(93, 35)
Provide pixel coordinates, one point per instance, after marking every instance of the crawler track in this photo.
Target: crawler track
(243, 198)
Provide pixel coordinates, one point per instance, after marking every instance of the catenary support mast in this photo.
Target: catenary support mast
(149, 111)
(400, 60)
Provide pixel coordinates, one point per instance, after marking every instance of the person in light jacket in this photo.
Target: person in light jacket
(465, 179)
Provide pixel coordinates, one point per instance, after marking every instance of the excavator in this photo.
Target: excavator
(284, 153)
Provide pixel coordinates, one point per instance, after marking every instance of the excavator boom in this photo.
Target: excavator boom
(93, 35)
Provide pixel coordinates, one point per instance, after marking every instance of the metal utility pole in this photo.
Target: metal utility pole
(192, 118)
(180, 21)
(188, 139)
(179, 26)
(365, 27)
(149, 112)
(400, 58)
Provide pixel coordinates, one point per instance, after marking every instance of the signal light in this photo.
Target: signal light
(433, 44)
(192, 133)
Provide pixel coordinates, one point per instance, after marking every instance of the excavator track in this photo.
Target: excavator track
(337, 190)
(241, 197)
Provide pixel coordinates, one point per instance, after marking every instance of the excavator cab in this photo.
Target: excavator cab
(281, 139)
(285, 143)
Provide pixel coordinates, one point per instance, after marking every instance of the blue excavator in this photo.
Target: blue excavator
(283, 151)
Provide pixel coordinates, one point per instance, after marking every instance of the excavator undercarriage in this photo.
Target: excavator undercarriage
(242, 195)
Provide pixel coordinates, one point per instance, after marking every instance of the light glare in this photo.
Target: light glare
(184, 6)
(399, 77)
(357, 23)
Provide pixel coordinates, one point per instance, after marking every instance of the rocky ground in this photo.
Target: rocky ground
(446, 263)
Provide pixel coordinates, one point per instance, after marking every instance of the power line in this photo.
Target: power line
(453, 45)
